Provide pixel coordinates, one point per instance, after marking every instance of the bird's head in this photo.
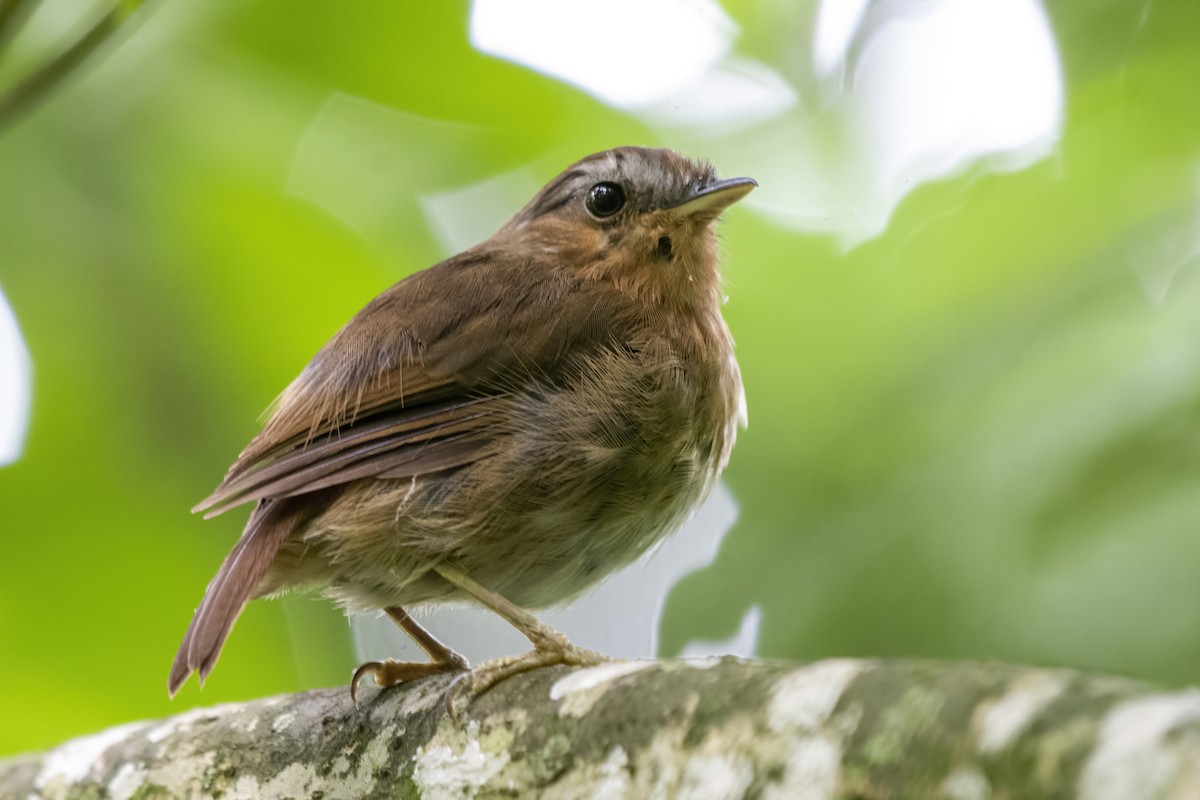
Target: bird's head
(639, 217)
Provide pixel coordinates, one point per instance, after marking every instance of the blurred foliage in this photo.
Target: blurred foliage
(974, 436)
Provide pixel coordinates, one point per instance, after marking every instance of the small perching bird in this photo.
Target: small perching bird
(506, 427)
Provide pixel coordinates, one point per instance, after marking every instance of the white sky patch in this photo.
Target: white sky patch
(597, 46)
(837, 21)
(912, 93)
(733, 95)
(16, 385)
(963, 81)
(673, 67)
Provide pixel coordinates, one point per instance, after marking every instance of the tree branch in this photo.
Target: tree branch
(12, 15)
(727, 728)
(44, 79)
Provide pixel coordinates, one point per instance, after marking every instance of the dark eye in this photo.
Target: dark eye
(605, 199)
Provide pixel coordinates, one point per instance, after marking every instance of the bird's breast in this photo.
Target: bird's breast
(594, 470)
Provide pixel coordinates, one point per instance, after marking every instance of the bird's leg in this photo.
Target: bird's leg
(390, 672)
(549, 646)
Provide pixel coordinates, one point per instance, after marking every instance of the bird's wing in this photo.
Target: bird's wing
(419, 381)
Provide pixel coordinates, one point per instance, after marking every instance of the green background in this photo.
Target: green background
(974, 436)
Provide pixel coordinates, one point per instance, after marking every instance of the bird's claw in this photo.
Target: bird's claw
(389, 672)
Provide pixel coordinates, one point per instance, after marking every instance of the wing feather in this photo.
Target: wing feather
(421, 379)
(421, 432)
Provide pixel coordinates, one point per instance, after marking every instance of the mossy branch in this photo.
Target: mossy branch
(720, 729)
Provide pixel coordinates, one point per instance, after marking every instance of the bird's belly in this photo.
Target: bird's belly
(570, 530)
(576, 485)
(539, 534)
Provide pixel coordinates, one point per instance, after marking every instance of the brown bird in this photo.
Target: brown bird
(506, 427)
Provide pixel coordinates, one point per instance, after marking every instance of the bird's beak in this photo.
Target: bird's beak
(711, 200)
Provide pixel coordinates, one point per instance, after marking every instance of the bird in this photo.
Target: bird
(506, 427)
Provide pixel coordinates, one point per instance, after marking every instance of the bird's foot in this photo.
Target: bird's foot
(389, 672)
(550, 649)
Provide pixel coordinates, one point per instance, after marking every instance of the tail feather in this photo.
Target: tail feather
(233, 586)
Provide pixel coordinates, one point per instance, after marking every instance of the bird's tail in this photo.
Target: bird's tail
(232, 587)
